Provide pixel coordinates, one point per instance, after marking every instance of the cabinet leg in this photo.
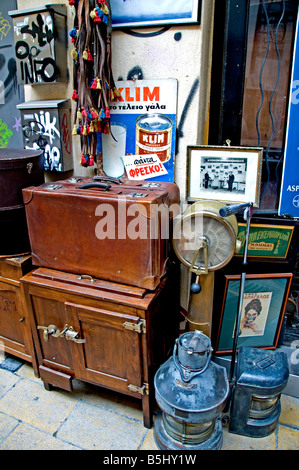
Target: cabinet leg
(147, 412)
(48, 386)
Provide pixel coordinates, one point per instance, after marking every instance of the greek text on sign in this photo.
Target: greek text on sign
(141, 167)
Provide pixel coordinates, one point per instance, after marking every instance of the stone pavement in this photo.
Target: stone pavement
(92, 418)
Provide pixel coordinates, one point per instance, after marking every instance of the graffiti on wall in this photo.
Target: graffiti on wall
(10, 93)
(48, 130)
(34, 48)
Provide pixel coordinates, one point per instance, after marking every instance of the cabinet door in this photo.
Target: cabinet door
(52, 351)
(12, 320)
(111, 355)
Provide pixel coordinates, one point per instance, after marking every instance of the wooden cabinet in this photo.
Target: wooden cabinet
(15, 332)
(108, 334)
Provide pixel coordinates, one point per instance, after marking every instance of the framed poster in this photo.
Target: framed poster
(264, 303)
(227, 174)
(147, 110)
(266, 241)
(130, 13)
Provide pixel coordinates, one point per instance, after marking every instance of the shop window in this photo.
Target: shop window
(251, 76)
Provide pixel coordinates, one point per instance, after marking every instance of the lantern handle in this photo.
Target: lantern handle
(187, 373)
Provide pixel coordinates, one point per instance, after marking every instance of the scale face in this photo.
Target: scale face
(203, 240)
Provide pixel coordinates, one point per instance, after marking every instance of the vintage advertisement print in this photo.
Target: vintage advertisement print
(264, 302)
(270, 241)
(254, 313)
(147, 110)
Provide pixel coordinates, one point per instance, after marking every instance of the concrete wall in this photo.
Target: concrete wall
(182, 52)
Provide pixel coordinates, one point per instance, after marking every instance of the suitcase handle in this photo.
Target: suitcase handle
(108, 178)
(105, 186)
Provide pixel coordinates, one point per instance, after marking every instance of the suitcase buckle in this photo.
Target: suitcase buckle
(138, 194)
(52, 187)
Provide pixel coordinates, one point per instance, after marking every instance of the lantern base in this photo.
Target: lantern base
(165, 442)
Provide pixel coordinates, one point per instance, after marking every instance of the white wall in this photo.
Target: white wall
(182, 52)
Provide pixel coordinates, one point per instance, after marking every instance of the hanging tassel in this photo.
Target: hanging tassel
(83, 112)
(85, 160)
(79, 129)
(74, 132)
(102, 115)
(93, 113)
(89, 56)
(106, 128)
(84, 130)
(75, 54)
(91, 160)
(91, 128)
(116, 92)
(75, 95)
(99, 86)
(72, 2)
(79, 115)
(93, 85)
(85, 54)
(105, 9)
(107, 113)
(100, 13)
(73, 34)
(93, 14)
(89, 116)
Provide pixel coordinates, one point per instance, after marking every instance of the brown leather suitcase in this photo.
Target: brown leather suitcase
(18, 169)
(116, 232)
(112, 335)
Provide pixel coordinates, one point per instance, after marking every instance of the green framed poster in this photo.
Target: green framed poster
(267, 241)
(264, 302)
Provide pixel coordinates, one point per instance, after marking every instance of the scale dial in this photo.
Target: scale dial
(200, 225)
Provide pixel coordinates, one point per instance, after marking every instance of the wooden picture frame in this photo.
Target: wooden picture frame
(228, 174)
(264, 302)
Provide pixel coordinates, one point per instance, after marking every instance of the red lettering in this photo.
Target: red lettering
(128, 96)
(151, 96)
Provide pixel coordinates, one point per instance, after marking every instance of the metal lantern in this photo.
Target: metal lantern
(260, 378)
(191, 392)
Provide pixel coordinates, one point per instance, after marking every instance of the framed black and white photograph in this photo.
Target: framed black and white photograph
(263, 307)
(130, 13)
(227, 174)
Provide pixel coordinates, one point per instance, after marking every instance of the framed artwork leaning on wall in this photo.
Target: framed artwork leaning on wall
(227, 174)
(264, 302)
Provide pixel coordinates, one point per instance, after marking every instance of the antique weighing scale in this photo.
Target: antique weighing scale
(193, 391)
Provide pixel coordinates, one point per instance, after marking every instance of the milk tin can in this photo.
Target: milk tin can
(153, 135)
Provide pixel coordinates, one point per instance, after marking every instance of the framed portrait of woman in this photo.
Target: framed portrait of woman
(263, 307)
